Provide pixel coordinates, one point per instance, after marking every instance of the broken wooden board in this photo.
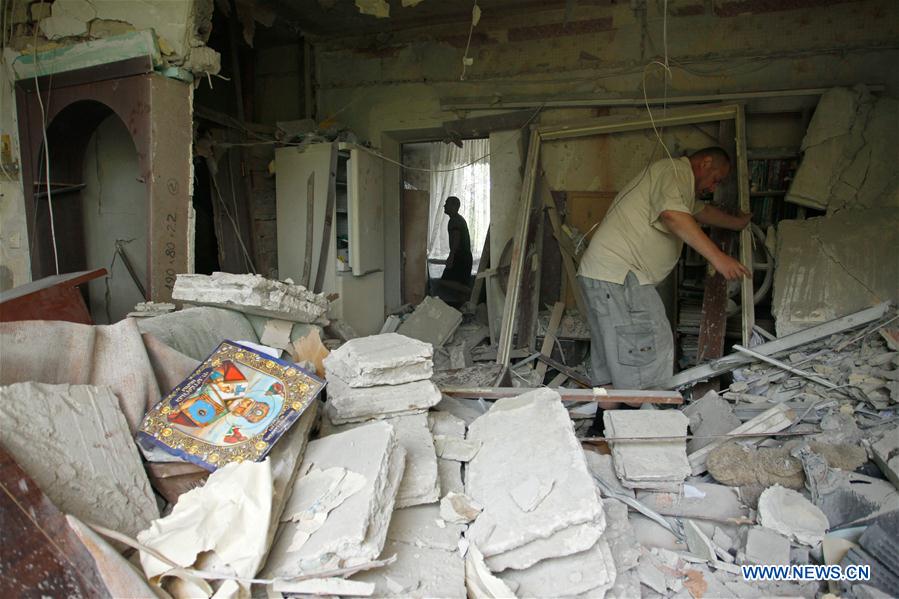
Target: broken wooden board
(39, 553)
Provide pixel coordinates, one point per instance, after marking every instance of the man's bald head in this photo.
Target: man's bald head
(452, 205)
(710, 166)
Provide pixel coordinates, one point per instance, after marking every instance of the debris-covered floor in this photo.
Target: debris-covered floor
(289, 457)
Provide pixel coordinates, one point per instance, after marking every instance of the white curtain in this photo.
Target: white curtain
(470, 184)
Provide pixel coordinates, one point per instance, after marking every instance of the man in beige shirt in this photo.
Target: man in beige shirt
(637, 244)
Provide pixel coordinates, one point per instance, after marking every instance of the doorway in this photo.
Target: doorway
(435, 171)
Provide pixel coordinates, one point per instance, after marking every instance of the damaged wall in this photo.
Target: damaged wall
(181, 28)
(399, 82)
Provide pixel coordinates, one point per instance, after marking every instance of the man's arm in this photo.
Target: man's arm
(715, 217)
(684, 226)
(454, 239)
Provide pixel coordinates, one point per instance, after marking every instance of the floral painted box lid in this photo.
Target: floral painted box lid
(234, 407)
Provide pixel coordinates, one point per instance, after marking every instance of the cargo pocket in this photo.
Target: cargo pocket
(636, 344)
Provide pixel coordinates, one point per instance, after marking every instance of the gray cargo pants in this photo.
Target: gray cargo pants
(631, 341)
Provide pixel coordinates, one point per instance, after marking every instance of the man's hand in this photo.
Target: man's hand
(742, 220)
(730, 268)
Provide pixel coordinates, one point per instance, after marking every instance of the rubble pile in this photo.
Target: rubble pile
(390, 488)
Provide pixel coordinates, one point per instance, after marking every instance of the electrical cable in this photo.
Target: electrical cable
(40, 101)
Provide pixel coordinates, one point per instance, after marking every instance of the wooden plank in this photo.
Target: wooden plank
(529, 301)
(323, 259)
(549, 338)
(478, 286)
(747, 292)
(780, 345)
(306, 281)
(39, 554)
(568, 262)
(510, 306)
(414, 216)
(623, 123)
(713, 321)
(569, 372)
(600, 396)
(558, 380)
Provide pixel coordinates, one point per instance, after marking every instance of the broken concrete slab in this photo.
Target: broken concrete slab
(433, 321)
(648, 463)
(459, 508)
(710, 415)
(449, 474)
(697, 500)
(772, 420)
(420, 484)
(75, 443)
(444, 423)
(389, 359)
(240, 496)
(418, 572)
(601, 467)
(276, 333)
(832, 266)
(591, 572)
(885, 453)
(528, 436)
(354, 404)
(791, 514)
(422, 526)
(252, 294)
(450, 447)
(355, 530)
(765, 546)
(428, 564)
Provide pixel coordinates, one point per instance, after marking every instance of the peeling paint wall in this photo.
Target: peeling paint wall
(15, 264)
(397, 81)
(181, 26)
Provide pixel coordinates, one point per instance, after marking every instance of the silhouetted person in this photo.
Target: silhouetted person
(458, 263)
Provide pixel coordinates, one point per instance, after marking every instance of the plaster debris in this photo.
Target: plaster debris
(697, 500)
(449, 474)
(592, 572)
(252, 294)
(150, 309)
(433, 321)
(885, 453)
(764, 546)
(773, 420)
(454, 448)
(326, 586)
(354, 531)
(349, 404)
(276, 333)
(75, 443)
(444, 423)
(648, 464)
(459, 508)
(601, 467)
(789, 513)
(309, 349)
(197, 332)
(428, 564)
(709, 416)
(389, 359)
(569, 519)
(314, 496)
(697, 542)
(240, 497)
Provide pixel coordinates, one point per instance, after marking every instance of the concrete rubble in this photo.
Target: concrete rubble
(433, 321)
(641, 461)
(252, 294)
(389, 489)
